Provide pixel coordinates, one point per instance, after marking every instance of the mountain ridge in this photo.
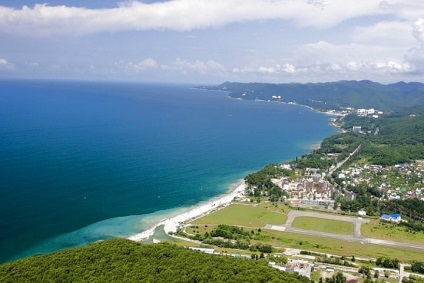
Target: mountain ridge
(331, 95)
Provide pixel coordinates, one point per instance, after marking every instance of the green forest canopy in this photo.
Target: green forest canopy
(121, 260)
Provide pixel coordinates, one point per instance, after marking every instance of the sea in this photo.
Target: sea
(87, 161)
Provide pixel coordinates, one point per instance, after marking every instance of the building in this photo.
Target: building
(385, 217)
(356, 129)
(300, 267)
(396, 218)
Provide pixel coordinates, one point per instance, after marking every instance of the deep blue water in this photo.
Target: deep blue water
(86, 161)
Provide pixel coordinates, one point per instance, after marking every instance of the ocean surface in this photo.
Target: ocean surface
(83, 161)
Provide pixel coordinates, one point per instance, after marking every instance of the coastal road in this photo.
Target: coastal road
(356, 236)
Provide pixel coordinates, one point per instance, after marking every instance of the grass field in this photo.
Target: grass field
(393, 232)
(258, 215)
(319, 244)
(323, 225)
(338, 247)
(249, 215)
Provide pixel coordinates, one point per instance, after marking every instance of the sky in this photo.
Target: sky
(212, 41)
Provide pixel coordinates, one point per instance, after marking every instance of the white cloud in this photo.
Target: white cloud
(322, 52)
(403, 9)
(415, 56)
(185, 15)
(200, 67)
(418, 30)
(5, 65)
(144, 64)
(276, 69)
(348, 69)
(386, 32)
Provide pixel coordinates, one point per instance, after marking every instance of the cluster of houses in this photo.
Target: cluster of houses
(311, 189)
(368, 112)
(301, 267)
(395, 217)
(377, 176)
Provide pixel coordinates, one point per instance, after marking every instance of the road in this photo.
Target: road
(338, 165)
(356, 236)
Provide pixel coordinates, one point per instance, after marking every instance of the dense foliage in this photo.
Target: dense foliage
(417, 266)
(397, 137)
(387, 262)
(259, 183)
(122, 260)
(232, 237)
(334, 260)
(336, 278)
(332, 95)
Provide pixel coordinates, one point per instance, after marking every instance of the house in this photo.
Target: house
(203, 250)
(385, 217)
(300, 267)
(356, 129)
(370, 111)
(396, 218)
(394, 196)
(350, 196)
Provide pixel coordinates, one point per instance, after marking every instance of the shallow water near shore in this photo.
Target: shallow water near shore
(81, 162)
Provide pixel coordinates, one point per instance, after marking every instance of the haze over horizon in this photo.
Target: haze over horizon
(186, 41)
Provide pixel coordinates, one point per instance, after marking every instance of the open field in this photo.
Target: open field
(318, 244)
(392, 232)
(323, 225)
(248, 215)
(338, 247)
(258, 215)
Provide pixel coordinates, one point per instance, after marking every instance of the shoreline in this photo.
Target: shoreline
(171, 224)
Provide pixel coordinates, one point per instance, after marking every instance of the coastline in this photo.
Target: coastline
(171, 224)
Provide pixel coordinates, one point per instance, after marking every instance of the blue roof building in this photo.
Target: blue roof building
(385, 217)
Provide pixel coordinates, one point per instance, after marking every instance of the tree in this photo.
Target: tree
(376, 274)
(387, 274)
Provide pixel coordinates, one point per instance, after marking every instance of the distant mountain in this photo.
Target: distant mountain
(332, 95)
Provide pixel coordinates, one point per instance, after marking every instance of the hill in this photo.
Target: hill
(121, 260)
(332, 95)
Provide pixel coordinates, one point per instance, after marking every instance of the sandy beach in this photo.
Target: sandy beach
(171, 224)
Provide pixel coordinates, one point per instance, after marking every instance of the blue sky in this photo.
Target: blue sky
(211, 41)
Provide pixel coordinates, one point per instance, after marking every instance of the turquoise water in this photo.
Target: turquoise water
(87, 161)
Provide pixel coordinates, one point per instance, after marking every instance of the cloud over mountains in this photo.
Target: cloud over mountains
(191, 40)
(186, 15)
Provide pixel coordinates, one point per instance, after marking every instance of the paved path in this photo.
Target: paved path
(356, 236)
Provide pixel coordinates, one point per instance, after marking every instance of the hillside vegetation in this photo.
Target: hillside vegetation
(332, 95)
(121, 260)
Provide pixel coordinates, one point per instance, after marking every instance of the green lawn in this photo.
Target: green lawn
(390, 231)
(338, 247)
(321, 244)
(258, 215)
(249, 215)
(323, 225)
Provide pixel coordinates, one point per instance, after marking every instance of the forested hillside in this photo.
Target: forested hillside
(394, 138)
(121, 260)
(332, 95)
